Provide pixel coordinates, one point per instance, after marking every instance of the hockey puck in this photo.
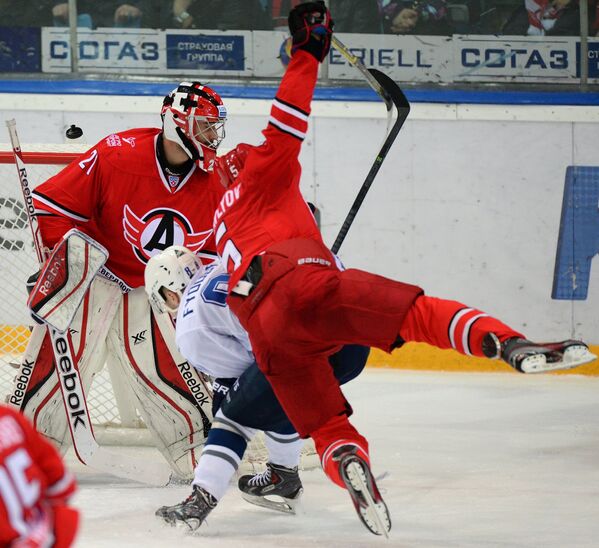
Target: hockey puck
(74, 132)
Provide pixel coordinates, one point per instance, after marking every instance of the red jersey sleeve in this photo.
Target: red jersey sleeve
(287, 126)
(60, 483)
(34, 486)
(68, 199)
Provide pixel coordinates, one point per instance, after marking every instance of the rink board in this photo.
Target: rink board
(413, 356)
(422, 357)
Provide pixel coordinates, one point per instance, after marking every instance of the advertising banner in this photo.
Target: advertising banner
(436, 59)
(593, 59)
(212, 52)
(517, 59)
(271, 53)
(403, 58)
(131, 51)
(147, 51)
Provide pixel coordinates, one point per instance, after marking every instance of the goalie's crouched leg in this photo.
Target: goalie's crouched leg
(36, 390)
(171, 397)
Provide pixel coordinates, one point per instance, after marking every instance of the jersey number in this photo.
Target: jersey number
(230, 251)
(16, 490)
(91, 160)
(215, 291)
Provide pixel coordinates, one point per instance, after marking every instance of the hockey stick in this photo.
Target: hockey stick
(392, 95)
(84, 443)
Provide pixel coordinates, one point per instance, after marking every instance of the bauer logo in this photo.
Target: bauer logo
(578, 241)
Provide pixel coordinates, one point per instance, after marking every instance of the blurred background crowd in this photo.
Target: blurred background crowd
(423, 17)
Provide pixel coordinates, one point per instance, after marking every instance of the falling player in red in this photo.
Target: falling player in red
(34, 488)
(136, 193)
(299, 308)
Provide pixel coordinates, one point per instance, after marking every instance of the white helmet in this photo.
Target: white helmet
(193, 116)
(172, 269)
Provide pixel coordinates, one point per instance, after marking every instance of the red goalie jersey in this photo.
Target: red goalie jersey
(118, 194)
(34, 488)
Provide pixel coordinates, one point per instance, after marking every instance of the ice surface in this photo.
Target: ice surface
(467, 460)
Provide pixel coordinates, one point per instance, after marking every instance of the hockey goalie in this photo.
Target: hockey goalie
(135, 193)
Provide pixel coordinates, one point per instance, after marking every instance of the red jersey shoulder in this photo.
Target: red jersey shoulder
(131, 151)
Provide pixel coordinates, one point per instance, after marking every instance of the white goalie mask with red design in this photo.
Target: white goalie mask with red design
(193, 116)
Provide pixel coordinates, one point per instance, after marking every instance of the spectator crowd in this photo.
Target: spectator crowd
(422, 17)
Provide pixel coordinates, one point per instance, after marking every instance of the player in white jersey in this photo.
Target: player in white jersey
(210, 337)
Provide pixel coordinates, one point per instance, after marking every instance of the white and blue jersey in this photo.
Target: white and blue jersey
(209, 335)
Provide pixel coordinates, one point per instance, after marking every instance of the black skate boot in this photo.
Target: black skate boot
(192, 511)
(529, 357)
(279, 482)
(362, 488)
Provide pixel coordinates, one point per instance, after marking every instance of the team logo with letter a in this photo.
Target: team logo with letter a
(158, 229)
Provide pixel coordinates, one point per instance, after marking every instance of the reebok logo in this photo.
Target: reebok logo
(21, 383)
(50, 276)
(195, 387)
(70, 383)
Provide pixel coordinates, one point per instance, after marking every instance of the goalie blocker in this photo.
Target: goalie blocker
(65, 278)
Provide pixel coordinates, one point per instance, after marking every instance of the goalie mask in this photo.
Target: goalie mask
(172, 269)
(193, 116)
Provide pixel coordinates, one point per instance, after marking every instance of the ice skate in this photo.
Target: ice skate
(362, 488)
(278, 488)
(191, 512)
(529, 357)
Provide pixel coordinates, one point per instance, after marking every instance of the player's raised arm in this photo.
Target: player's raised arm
(311, 28)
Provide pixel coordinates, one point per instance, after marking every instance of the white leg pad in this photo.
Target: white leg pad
(44, 405)
(176, 410)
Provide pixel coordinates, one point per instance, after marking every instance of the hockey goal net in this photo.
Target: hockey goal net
(115, 419)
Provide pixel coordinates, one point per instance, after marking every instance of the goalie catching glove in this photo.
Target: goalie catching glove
(311, 29)
(64, 279)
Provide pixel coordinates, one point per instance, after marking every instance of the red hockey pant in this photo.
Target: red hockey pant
(302, 312)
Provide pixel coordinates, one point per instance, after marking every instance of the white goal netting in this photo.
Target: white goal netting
(114, 418)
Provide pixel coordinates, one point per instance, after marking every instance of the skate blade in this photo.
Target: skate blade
(573, 357)
(374, 514)
(281, 504)
(187, 525)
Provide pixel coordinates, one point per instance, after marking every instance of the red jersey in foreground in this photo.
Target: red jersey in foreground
(118, 194)
(34, 488)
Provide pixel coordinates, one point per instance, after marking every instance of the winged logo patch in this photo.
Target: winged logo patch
(158, 229)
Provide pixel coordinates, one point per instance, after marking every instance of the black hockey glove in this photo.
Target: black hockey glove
(311, 29)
